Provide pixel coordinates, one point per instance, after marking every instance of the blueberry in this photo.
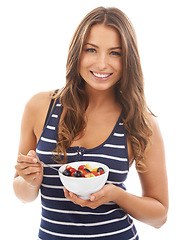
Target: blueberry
(78, 173)
(100, 169)
(66, 172)
(87, 170)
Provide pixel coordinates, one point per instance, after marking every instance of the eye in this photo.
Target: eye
(90, 50)
(115, 53)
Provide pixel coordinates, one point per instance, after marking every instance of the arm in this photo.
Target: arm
(152, 207)
(29, 173)
(28, 177)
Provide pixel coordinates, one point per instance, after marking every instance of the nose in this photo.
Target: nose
(102, 61)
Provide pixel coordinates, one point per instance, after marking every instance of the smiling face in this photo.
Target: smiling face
(101, 63)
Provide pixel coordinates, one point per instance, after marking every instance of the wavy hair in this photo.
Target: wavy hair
(129, 89)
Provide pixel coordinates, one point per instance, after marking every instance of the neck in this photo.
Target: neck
(101, 99)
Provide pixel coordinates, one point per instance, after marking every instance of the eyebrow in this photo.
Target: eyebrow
(113, 48)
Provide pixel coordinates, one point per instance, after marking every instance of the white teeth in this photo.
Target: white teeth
(101, 75)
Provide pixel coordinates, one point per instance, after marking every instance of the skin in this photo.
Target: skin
(101, 55)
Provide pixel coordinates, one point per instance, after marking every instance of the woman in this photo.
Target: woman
(100, 115)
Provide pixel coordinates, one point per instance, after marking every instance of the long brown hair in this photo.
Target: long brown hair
(129, 89)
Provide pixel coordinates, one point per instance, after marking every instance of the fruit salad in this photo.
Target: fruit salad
(83, 171)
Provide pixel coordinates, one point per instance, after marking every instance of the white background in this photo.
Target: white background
(34, 39)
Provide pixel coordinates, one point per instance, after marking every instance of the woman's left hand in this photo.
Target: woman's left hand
(104, 195)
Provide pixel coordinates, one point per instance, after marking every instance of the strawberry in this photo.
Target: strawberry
(84, 173)
(101, 172)
(72, 170)
(68, 167)
(95, 173)
(81, 167)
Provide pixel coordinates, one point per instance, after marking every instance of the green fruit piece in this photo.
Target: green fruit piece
(87, 175)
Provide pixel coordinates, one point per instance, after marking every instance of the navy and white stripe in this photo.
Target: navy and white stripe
(62, 219)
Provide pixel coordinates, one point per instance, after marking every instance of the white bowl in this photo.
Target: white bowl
(81, 186)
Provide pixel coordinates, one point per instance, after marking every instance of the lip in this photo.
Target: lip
(101, 75)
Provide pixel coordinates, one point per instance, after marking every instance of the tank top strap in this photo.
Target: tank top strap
(55, 112)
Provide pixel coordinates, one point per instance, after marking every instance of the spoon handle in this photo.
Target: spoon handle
(44, 164)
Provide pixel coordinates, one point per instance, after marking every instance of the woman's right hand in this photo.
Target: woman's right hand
(29, 169)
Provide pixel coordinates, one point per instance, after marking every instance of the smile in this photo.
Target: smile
(101, 75)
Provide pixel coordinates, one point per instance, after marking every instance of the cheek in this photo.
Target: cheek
(83, 67)
(84, 61)
(117, 65)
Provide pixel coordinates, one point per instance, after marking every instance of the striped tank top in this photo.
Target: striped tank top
(63, 220)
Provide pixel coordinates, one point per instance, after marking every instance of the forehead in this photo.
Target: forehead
(100, 34)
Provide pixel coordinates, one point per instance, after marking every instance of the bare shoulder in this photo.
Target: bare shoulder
(156, 137)
(35, 112)
(156, 141)
(39, 100)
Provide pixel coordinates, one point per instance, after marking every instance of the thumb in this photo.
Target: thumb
(32, 153)
(97, 195)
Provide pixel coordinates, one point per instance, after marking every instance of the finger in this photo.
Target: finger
(66, 192)
(22, 158)
(23, 165)
(32, 178)
(30, 170)
(79, 201)
(104, 194)
(68, 195)
(83, 203)
(71, 196)
(33, 154)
